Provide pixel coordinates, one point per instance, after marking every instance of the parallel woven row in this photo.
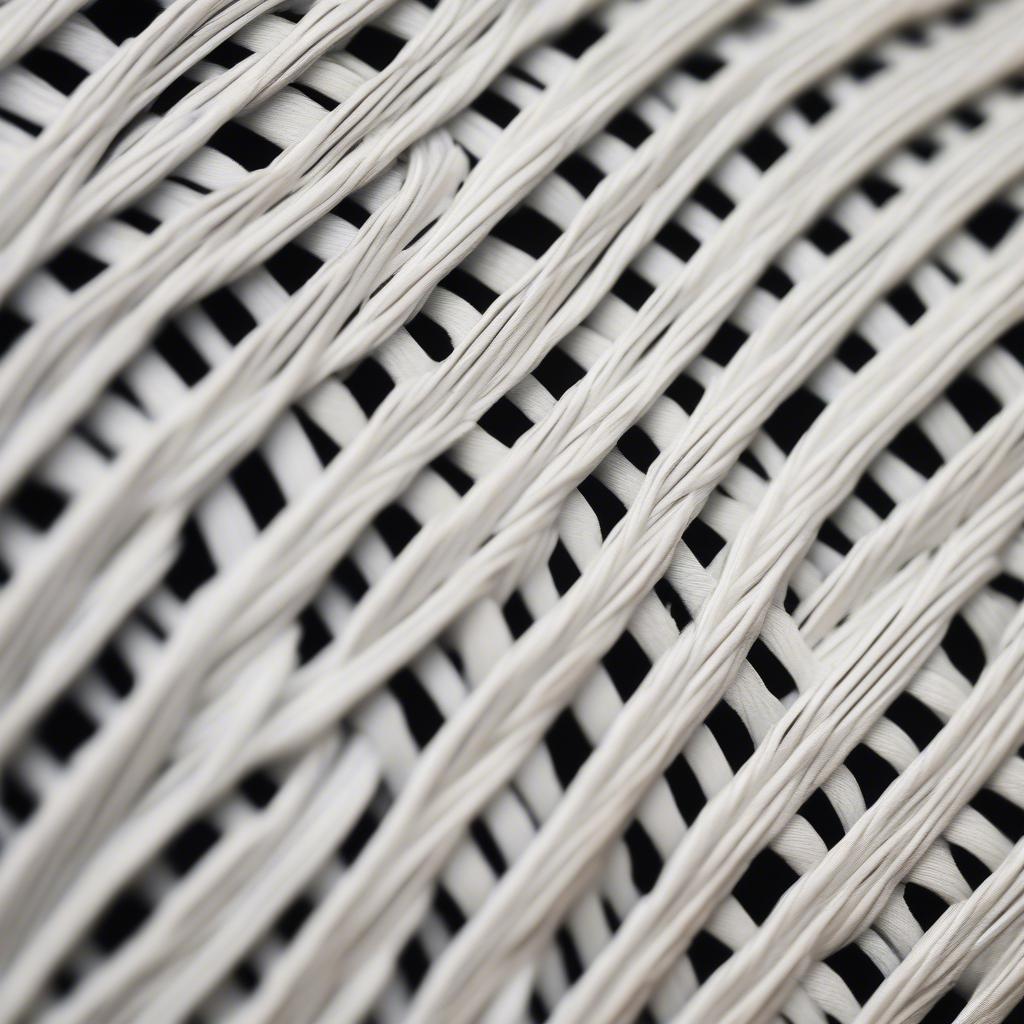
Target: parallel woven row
(511, 511)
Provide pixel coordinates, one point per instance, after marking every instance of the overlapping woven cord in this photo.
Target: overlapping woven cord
(511, 510)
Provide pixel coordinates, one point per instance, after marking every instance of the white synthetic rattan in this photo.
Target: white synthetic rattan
(511, 510)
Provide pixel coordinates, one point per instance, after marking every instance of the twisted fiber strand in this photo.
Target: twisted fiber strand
(960, 485)
(234, 229)
(267, 371)
(442, 43)
(24, 26)
(966, 931)
(52, 170)
(625, 401)
(228, 691)
(150, 149)
(244, 891)
(226, 208)
(441, 546)
(597, 787)
(160, 823)
(989, 283)
(49, 573)
(979, 467)
(792, 760)
(556, 854)
(587, 433)
(222, 218)
(999, 990)
(101, 519)
(110, 98)
(208, 620)
(553, 851)
(476, 760)
(20, 606)
(882, 844)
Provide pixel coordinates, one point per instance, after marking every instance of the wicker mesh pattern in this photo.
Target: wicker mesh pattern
(254, 754)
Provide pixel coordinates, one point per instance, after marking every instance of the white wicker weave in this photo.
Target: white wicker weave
(511, 510)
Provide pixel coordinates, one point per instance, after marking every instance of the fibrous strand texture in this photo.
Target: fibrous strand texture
(511, 511)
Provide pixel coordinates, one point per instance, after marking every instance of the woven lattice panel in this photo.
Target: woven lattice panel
(511, 510)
